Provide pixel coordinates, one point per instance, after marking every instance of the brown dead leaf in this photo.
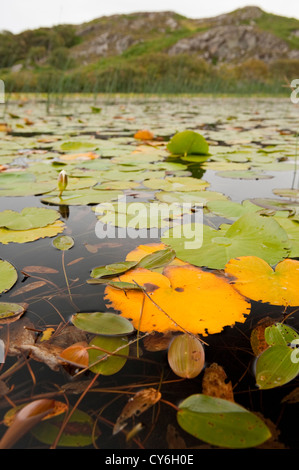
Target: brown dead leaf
(44, 352)
(257, 337)
(157, 341)
(40, 270)
(28, 288)
(214, 385)
(136, 405)
(292, 397)
(75, 261)
(144, 135)
(16, 335)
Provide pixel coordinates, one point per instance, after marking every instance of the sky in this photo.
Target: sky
(19, 15)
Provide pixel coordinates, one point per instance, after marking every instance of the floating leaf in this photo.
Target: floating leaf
(80, 430)
(255, 279)
(257, 336)
(276, 367)
(292, 193)
(8, 276)
(81, 198)
(190, 197)
(25, 236)
(28, 218)
(280, 333)
(251, 234)
(111, 270)
(186, 356)
(102, 323)
(39, 270)
(244, 175)
(214, 383)
(28, 288)
(188, 143)
(144, 135)
(176, 183)
(157, 259)
(63, 242)
(76, 355)
(138, 404)
(10, 312)
(221, 422)
(230, 209)
(177, 289)
(108, 355)
(27, 417)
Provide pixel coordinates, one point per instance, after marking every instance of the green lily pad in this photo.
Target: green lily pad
(23, 184)
(100, 361)
(102, 323)
(8, 276)
(292, 193)
(188, 143)
(183, 183)
(63, 242)
(192, 197)
(75, 146)
(291, 227)
(244, 175)
(157, 259)
(81, 198)
(280, 333)
(28, 218)
(221, 422)
(113, 269)
(276, 367)
(232, 210)
(251, 234)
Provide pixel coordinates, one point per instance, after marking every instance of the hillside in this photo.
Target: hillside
(131, 52)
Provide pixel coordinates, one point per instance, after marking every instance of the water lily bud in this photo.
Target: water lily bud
(62, 182)
(186, 356)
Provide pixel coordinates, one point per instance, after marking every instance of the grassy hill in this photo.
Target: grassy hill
(245, 51)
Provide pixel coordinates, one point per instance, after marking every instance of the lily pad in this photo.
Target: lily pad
(275, 367)
(8, 276)
(113, 269)
(100, 361)
(221, 422)
(108, 324)
(81, 198)
(251, 234)
(183, 183)
(28, 218)
(10, 311)
(188, 143)
(25, 236)
(63, 242)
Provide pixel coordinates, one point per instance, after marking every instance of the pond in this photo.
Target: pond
(243, 194)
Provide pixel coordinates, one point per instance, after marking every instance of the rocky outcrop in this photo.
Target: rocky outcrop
(231, 43)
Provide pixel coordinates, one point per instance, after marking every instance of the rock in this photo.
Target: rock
(232, 43)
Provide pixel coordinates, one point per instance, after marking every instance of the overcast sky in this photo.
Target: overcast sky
(19, 15)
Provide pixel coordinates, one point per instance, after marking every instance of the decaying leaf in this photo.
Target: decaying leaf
(28, 288)
(16, 335)
(257, 337)
(178, 300)
(144, 135)
(27, 417)
(39, 270)
(174, 439)
(292, 397)
(44, 352)
(256, 279)
(136, 405)
(157, 341)
(76, 355)
(214, 383)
